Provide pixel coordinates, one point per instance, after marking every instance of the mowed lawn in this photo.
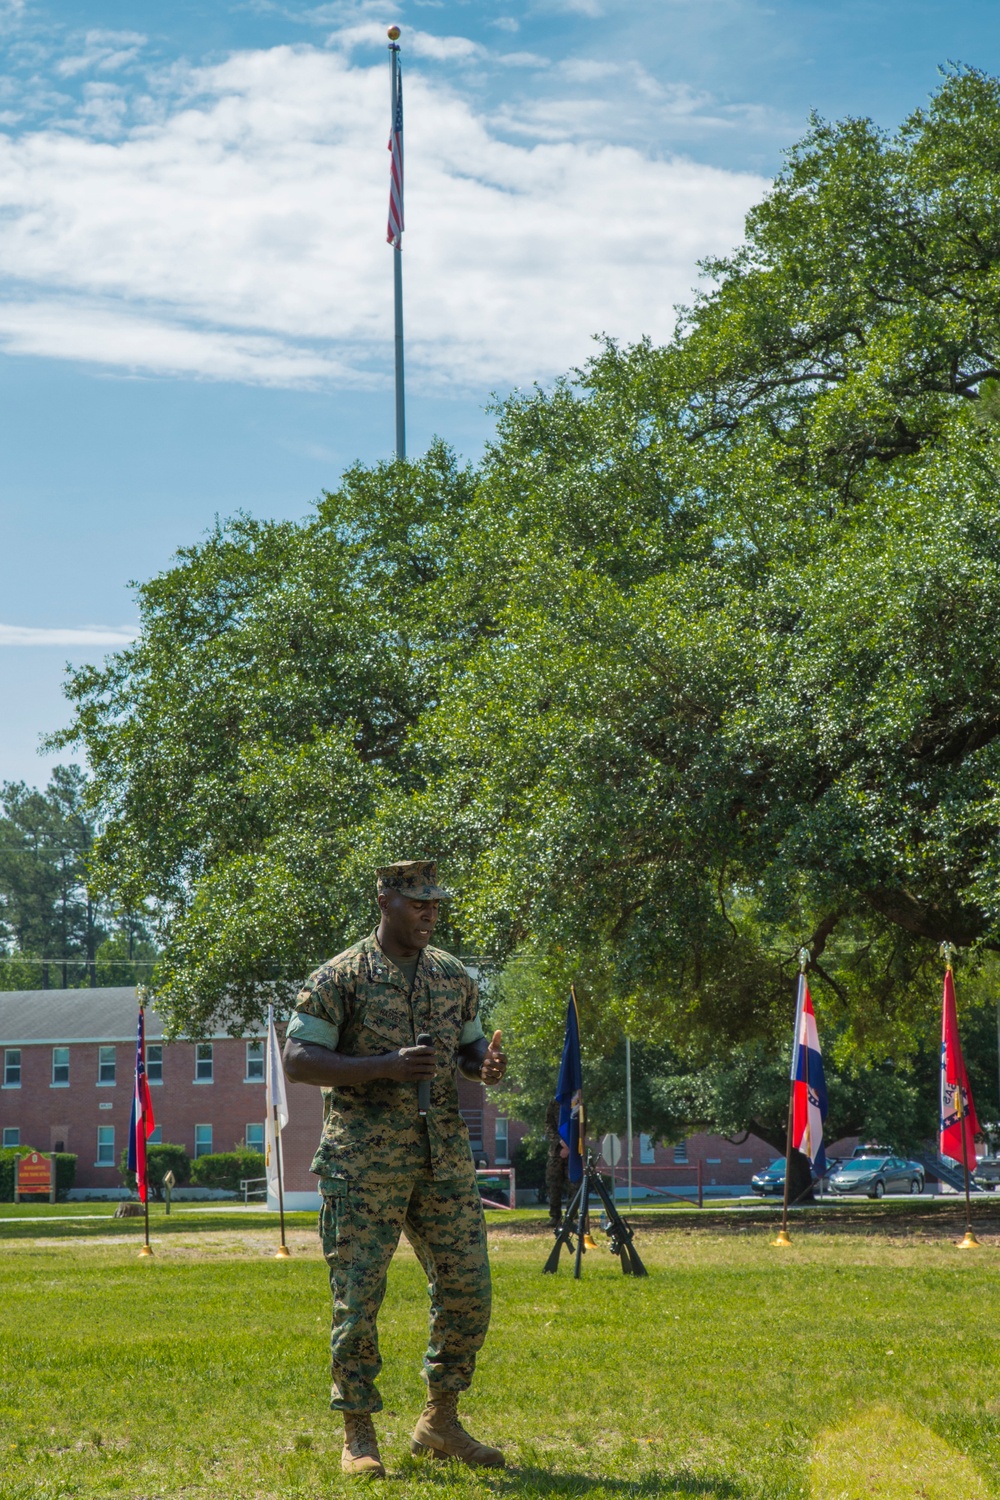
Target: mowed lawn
(849, 1366)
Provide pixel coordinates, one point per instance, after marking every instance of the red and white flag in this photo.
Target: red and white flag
(957, 1109)
(142, 1124)
(394, 232)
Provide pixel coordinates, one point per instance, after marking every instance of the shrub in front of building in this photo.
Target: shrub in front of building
(65, 1171)
(225, 1170)
(160, 1160)
(530, 1158)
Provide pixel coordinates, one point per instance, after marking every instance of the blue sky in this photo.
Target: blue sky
(195, 310)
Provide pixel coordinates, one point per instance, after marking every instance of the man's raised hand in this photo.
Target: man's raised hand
(494, 1064)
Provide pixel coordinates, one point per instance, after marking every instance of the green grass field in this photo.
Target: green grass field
(853, 1365)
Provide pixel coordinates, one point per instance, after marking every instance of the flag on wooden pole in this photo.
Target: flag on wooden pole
(569, 1093)
(958, 1112)
(809, 1103)
(277, 1119)
(142, 1123)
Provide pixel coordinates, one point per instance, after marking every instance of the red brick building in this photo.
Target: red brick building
(67, 1059)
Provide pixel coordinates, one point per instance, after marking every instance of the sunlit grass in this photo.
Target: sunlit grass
(204, 1371)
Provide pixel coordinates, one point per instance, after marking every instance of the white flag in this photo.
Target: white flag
(277, 1104)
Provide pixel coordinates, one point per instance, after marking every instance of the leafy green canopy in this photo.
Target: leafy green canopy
(700, 665)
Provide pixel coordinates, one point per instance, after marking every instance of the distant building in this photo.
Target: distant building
(68, 1060)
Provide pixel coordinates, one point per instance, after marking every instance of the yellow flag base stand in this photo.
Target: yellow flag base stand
(968, 1242)
(783, 1241)
(146, 1250)
(282, 1253)
(589, 1243)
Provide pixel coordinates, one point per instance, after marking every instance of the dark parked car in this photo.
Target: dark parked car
(987, 1173)
(771, 1182)
(876, 1175)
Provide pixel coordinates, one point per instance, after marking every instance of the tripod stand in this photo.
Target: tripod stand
(620, 1234)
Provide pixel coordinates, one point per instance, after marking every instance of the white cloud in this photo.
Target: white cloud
(239, 232)
(104, 50)
(57, 635)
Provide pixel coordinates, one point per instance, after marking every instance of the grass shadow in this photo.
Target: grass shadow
(533, 1479)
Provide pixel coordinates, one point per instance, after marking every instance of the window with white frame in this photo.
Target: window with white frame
(154, 1062)
(255, 1062)
(60, 1067)
(681, 1153)
(203, 1062)
(254, 1137)
(155, 1137)
(203, 1140)
(501, 1140)
(11, 1136)
(105, 1065)
(647, 1156)
(12, 1068)
(105, 1145)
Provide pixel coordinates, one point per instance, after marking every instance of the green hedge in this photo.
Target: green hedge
(161, 1159)
(65, 1171)
(226, 1169)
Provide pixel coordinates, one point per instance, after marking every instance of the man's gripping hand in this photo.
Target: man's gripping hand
(494, 1064)
(410, 1064)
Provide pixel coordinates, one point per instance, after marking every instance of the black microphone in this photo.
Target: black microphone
(424, 1087)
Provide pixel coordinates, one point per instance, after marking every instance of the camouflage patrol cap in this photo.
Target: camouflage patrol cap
(414, 878)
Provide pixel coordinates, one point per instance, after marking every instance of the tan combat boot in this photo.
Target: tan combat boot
(440, 1433)
(361, 1455)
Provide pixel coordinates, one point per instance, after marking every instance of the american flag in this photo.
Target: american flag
(394, 233)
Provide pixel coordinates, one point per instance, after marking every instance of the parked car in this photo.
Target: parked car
(877, 1175)
(987, 1173)
(771, 1182)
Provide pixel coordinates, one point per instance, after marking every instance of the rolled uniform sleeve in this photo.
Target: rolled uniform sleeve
(472, 1027)
(319, 1014)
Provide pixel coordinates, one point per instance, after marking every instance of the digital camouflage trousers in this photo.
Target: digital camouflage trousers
(360, 1224)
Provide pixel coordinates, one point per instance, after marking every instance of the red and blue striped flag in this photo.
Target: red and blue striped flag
(809, 1102)
(142, 1124)
(394, 233)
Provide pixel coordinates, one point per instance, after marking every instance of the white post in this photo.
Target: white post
(628, 1114)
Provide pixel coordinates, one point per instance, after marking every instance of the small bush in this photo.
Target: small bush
(160, 1160)
(226, 1169)
(530, 1157)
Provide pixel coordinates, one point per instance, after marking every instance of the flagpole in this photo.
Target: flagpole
(140, 1123)
(628, 1112)
(282, 1252)
(784, 1238)
(969, 1242)
(397, 254)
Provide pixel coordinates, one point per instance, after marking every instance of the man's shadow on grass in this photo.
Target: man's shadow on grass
(527, 1480)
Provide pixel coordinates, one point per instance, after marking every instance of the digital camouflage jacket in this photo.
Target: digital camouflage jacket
(357, 1004)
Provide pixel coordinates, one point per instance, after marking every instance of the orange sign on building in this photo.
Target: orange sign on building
(34, 1174)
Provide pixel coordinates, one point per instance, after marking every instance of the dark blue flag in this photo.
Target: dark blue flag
(569, 1093)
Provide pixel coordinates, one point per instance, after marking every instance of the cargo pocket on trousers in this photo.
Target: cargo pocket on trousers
(335, 1219)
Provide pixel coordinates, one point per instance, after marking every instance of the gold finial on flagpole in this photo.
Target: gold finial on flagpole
(393, 33)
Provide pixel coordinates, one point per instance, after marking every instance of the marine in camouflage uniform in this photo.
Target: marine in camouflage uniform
(386, 1170)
